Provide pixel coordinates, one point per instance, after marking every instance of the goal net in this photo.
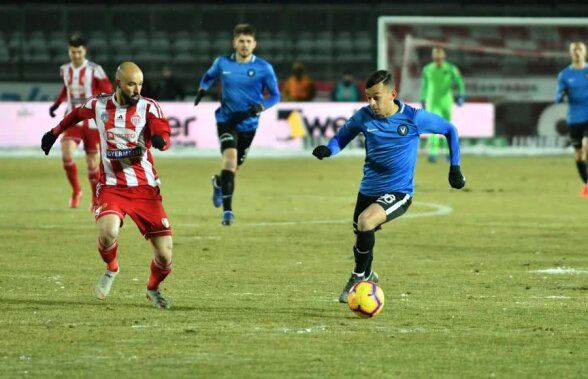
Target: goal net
(488, 68)
(511, 63)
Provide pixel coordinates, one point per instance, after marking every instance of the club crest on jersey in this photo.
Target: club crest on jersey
(104, 117)
(402, 130)
(136, 119)
(251, 72)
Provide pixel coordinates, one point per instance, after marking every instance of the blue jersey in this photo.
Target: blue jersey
(243, 85)
(391, 145)
(574, 82)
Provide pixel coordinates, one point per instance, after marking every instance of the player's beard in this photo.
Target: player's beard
(129, 100)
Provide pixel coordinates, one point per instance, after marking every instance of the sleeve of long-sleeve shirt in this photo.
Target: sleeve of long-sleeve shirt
(84, 112)
(347, 133)
(271, 83)
(158, 124)
(62, 96)
(561, 89)
(428, 122)
(458, 79)
(210, 75)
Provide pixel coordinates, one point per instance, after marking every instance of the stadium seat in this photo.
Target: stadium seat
(4, 53)
(323, 47)
(182, 42)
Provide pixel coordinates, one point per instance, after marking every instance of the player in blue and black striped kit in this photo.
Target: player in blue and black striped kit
(391, 129)
(244, 78)
(572, 83)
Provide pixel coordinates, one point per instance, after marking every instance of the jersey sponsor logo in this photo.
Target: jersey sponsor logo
(104, 117)
(402, 130)
(251, 72)
(134, 152)
(136, 120)
(121, 135)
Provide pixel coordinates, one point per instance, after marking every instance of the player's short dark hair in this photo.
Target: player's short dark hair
(380, 76)
(76, 40)
(246, 29)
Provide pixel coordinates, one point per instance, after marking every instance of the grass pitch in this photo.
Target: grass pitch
(467, 294)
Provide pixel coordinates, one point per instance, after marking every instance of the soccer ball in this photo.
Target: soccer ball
(366, 299)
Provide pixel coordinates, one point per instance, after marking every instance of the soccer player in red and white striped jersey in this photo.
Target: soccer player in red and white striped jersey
(82, 79)
(129, 125)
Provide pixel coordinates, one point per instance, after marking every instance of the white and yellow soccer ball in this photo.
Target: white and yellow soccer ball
(366, 299)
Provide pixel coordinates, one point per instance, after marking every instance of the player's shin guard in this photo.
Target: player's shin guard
(227, 179)
(108, 255)
(94, 177)
(71, 171)
(581, 165)
(159, 272)
(363, 251)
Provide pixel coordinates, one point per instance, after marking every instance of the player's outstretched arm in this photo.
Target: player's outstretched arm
(70, 120)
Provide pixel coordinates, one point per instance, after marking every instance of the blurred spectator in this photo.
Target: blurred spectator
(346, 89)
(149, 90)
(299, 86)
(169, 87)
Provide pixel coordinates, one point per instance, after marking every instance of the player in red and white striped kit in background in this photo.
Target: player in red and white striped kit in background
(82, 79)
(128, 126)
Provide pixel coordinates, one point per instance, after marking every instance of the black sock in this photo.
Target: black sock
(581, 165)
(364, 251)
(227, 180)
(368, 267)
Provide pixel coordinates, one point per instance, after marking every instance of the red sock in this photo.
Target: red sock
(94, 177)
(158, 274)
(71, 171)
(108, 255)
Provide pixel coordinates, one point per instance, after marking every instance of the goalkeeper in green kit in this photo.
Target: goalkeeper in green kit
(437, 82)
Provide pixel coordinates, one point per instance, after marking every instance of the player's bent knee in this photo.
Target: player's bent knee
(366, 223)
(162, 249)
(108, 228)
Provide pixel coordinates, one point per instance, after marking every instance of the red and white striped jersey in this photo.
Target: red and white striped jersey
(125, 138)
(82, 83)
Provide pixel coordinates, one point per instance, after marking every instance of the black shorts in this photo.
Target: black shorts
(395, 204)
(231, 139)
(577, 133)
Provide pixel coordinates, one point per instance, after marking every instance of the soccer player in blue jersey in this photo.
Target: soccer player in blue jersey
(572, 83)
(391, 129)
(244, 79)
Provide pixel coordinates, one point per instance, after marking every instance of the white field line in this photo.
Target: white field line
(436, 210)
(561, 270)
